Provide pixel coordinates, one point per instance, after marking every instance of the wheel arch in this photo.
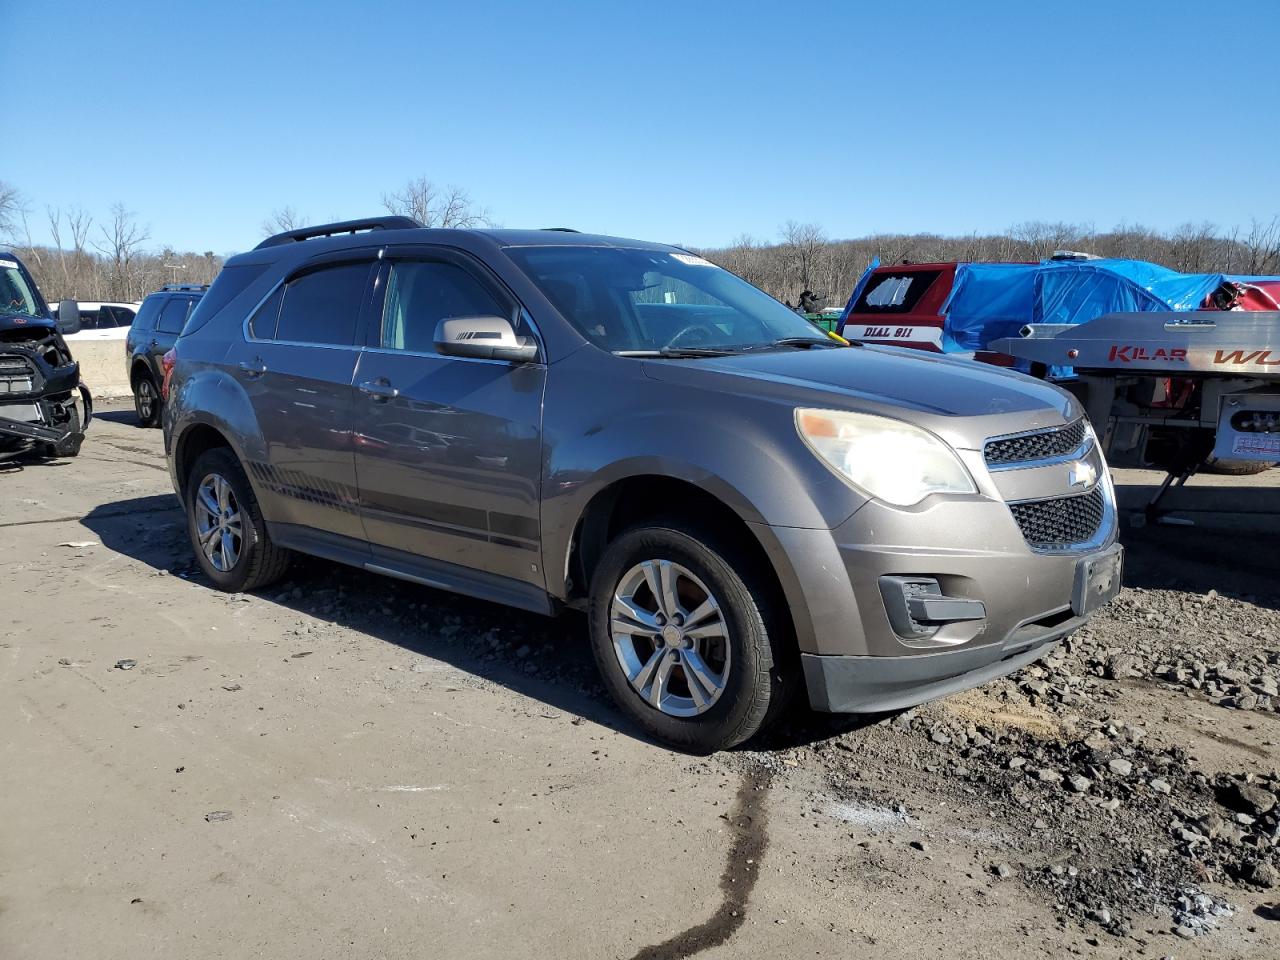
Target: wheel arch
(139, 368)
(637, 497)
(197, 439)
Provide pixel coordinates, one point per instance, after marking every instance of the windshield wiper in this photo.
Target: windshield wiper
(677, 353)
(797, 342)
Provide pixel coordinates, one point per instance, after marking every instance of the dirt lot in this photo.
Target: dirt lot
(348, 766)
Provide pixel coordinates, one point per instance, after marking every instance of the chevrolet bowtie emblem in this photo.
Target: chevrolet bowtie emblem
(1081, 476)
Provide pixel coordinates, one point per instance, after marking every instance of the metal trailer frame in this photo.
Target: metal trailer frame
(1233, 355)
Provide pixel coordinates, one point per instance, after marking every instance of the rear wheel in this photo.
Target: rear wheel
(225, 524)
(686, 647)
(146, 400)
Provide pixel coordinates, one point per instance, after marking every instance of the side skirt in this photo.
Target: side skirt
(416, 569)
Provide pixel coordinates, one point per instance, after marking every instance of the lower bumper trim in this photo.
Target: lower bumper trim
(841, 684)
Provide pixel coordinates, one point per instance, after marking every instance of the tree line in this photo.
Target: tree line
(804, 258)
(110, 259)
(92, 259)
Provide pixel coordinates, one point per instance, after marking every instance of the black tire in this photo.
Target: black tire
(70, 445)
(762, 670)
(1236, 468)
(146, 400)
(259, 561)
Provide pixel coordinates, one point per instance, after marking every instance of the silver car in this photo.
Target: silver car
(744, 505)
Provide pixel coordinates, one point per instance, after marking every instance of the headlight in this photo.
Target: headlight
(891, 460)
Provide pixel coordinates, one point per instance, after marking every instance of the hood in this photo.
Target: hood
(963, 400)
(21, 321)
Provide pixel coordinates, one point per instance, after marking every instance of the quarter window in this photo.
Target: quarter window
(146, 318)
(323, 306)
(263, 323)
(421, 294)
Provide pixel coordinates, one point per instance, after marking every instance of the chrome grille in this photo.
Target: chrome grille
(16, 374)
(1061, 521)
(1041, 445)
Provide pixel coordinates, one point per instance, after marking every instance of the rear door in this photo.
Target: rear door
(448, 450)
(296, 363)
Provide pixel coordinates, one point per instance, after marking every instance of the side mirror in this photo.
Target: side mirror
(484, 338)
(68, 317)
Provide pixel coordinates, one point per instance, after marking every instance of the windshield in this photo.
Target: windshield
(16, 295)
(654, 300)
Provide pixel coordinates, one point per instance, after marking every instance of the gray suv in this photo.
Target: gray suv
(743, 504)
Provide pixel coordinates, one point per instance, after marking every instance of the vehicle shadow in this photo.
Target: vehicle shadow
(1234, 561)
(19, 460)
(123, 415)
(545, 659)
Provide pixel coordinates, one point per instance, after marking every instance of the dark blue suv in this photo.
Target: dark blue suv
(154, 330)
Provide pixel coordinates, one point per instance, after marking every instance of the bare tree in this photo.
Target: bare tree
(10, 209)
(1191, 245)
(286, 218)
(434, 206)
(121, 246)
(805, 241)
(74, 262)
(1262, 246)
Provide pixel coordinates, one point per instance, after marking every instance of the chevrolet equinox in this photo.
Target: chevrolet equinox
(741, 503)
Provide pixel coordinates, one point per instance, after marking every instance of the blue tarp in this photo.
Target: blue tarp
(992, 300)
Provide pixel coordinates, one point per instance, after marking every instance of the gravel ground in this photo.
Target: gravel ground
(348, 765)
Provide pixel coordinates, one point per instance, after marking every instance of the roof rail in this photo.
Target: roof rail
(561, 230)
(343, 226)
(177, 287)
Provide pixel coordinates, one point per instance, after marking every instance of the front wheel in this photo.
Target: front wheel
(228, 534)
(685, 646)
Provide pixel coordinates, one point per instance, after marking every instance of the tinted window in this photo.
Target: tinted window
(174, 315)
(895, 293)
(114, 317)
(420, 295)
(324, 306)
(263, 323)
(146, 318)
(229, 283)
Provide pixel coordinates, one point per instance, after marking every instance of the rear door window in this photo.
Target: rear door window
(323, 306)
(174, 315)
(895, 293)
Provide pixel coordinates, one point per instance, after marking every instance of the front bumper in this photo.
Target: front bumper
(857, 659)
(36, 398)
(839, 684)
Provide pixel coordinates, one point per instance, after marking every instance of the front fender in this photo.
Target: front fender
(607, 422)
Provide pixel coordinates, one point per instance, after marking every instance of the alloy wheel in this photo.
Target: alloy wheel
(146, 399)
(670, 637)
(219, 523)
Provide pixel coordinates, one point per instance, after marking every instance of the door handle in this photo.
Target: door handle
(155, 342)
(379, 390)
(253, 368)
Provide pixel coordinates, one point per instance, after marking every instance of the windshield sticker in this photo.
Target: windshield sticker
(8, 265)
(688, 259)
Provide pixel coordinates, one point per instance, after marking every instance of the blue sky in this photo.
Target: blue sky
(689, 122)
